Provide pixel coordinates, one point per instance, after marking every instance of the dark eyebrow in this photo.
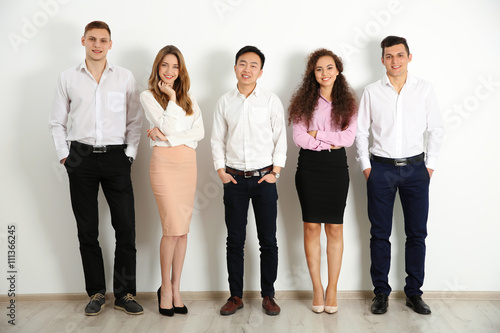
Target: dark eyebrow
(392, 54)
(325, 66)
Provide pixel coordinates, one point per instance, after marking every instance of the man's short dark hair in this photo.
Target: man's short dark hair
(97, 25)
(253, 49)
(394, 40)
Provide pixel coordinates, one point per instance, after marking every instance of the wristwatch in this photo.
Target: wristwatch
(277, 175)
(131, 159)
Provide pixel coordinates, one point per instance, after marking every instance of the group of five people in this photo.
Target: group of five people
(96, 124)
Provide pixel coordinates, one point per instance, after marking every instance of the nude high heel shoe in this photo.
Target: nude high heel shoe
(331, 309)
(318, 308)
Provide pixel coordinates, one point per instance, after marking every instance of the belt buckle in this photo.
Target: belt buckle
(400, 162)
(248, 174)
(99, 149)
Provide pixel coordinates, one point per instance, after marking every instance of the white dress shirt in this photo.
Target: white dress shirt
(97, 114)
(399, 122)
(173, 122)
(249, 133)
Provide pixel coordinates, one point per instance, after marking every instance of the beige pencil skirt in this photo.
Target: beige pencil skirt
(172, 172)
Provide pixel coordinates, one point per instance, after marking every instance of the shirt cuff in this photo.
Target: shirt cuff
(279, 160)
(131, 151)
(321, 136)
(364, 163)
(62, 153)
(219, 165)
(431, 162)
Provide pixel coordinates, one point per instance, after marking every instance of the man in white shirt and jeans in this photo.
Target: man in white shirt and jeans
(96, 122)
(400, 109)
(249, 150)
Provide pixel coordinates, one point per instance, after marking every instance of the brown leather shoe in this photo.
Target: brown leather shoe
(234, 303)
(270, 306)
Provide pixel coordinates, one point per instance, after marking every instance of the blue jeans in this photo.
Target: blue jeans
(412, 181)
(264, 201)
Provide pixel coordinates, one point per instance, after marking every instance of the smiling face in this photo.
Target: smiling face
(168, 69)
(97, 43)
(326, 72)
(248, 69)
(396, 60)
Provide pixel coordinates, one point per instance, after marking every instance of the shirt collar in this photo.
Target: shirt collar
(256, 91)
(109, 66)
(410, 79)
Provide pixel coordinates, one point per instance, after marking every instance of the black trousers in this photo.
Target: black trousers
(86, 170)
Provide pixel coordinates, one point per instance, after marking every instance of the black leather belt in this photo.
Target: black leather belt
(399, 161)
(247, 174)
(96, 149)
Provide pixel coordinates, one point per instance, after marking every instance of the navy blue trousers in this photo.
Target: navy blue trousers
(412, 182)
(236, 202)
(111, 170)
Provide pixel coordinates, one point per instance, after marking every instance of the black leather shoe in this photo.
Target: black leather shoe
(166, 312)
(380, 304)
(418, 305)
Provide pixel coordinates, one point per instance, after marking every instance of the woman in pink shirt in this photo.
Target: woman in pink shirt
(323, 113)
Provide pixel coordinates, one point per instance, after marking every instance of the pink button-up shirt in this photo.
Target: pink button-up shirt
(328, 134)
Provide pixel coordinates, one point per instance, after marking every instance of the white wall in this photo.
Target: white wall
(455, 46)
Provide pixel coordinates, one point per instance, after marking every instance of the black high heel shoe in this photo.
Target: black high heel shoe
(165, 312)
(182, 310)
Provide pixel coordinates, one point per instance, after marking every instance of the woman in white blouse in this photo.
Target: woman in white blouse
(176, 126)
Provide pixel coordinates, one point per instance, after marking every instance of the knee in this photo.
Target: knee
(334, 231)
(312, 230)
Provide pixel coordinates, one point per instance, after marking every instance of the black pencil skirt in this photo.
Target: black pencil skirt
(322, 182)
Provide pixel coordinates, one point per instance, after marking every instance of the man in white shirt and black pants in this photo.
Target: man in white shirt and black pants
(96, 122)
(249, 150)
(400, 109)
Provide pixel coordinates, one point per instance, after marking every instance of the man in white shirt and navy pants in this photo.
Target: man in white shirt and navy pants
(400, 109)
(96, 122)
(249, 150)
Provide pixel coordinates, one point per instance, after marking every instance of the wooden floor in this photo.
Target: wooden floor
(354, 316)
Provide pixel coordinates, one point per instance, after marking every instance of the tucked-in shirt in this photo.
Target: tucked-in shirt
(399, 122)
(249, 133)
(328, 134)
(179, 128)
(97, 114)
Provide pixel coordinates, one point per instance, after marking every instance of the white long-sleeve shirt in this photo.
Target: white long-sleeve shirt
(104, 113)
(399, 122)
(249, 133)
(173, 122)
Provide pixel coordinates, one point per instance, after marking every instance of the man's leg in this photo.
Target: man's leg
(83, 174)
(414, 195)
(236, 202)
(264, 202)
(117, 187)
(381, 189)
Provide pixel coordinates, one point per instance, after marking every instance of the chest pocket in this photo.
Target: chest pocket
(260, 114)
(116, 101)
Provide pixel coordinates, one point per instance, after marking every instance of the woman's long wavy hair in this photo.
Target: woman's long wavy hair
(181, 84)
(305, 99)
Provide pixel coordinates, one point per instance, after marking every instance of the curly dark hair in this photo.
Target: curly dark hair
(305, 98)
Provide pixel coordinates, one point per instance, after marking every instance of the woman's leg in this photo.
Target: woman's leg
(167, 250)
(177, 263)
(334, 251)
(312, 247)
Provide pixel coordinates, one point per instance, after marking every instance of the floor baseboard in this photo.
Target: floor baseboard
(288, 294)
